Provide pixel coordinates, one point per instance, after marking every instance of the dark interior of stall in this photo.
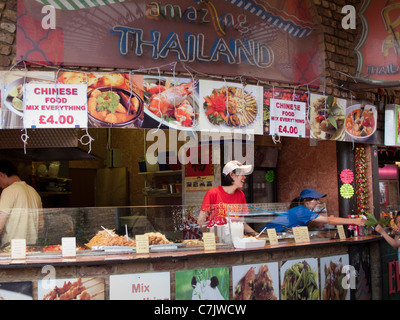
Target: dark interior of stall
(109, 171)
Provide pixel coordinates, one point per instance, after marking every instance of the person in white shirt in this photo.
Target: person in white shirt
(20, 207)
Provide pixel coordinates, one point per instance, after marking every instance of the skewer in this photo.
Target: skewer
(112, 235)
(96, 294)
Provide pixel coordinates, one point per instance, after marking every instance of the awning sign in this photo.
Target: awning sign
(379, 48)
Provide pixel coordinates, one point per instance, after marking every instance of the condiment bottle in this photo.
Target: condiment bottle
(350, 229)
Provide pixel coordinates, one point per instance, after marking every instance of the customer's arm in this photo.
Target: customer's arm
(394, 242)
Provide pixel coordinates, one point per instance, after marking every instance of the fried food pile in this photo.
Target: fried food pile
(110, 238)
(157, 238)
(69, 291)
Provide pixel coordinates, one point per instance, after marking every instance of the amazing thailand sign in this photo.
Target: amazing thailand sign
(261, 39)
(379, 48)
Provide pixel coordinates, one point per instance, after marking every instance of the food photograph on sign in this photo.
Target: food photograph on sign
(327, 117)
(202, 284)
(333, 276)
(229, 106)
(114, 99)
(361, 123)
(13, 84)
(299, 279)
(71, 289)
(256, 282)
(170, 101)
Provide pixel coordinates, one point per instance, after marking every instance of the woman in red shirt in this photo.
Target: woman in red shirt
(214, 209)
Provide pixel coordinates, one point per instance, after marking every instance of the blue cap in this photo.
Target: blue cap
(311, 194)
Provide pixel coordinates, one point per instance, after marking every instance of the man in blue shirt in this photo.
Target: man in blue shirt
(301, 213)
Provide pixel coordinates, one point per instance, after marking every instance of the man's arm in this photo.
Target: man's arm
(3, 220)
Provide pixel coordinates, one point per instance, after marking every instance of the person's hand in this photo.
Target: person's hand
(202, 218)
(358, 221)
(379, 229)
(396, 231)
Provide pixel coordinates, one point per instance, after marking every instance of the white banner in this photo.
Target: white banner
(141, 286)
(288, 118)
(55, 106)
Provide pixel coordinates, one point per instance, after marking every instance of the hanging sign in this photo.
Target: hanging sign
(346, 191)
(55, 106)
(392, 125)
(288, 118)
(347, 176)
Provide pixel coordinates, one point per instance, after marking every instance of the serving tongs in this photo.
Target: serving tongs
(257, 236)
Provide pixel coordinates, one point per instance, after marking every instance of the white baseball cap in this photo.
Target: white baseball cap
(233, 165)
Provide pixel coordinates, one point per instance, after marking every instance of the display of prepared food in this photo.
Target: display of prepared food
(193, 242)
(108, 238)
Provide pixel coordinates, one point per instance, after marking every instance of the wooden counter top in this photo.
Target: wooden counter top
(93, 258)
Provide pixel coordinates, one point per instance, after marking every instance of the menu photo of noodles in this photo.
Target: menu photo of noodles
(334, 278)
(299, 279)
(256, 282)
(226, 107)
(327, 116)
(71, 289)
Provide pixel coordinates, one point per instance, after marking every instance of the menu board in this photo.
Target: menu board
(140, 286)
(75, 99)
(55, 106)
(288, 118)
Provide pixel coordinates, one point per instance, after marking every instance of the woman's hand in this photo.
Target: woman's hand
(358, 221)
(202, 218)
(379, 229)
